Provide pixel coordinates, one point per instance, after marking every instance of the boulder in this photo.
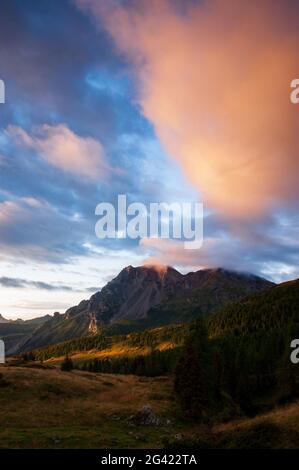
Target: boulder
(146, 417)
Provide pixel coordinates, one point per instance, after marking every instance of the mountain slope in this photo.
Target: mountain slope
(135, 295)
(3, 320)
(15, 332)
(206, 291)
(245, 353)
(276, 308)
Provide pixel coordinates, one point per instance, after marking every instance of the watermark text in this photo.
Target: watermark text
(294, 96)
(2, 352)
(183, 221)
(2, 92)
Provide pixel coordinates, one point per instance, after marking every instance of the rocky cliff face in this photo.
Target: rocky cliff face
(129, 296)
(133, 292)
(137, 290)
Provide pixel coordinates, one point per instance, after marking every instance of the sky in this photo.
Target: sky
(162, 101)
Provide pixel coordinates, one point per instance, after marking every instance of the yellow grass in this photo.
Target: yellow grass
(48, 408)
(116, 350)
(84, 409)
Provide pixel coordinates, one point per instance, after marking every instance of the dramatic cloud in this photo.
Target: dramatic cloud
(62, 148)
(270, 250)
(215, 81)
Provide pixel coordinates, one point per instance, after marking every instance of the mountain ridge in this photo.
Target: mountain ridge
(260, 314)
(16, 332)
(137, 291)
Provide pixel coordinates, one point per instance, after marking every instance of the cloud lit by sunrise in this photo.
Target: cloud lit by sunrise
(62, 148)
(215, 84)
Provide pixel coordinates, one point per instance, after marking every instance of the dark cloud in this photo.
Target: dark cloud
(20, 283)
(23, 283)
(34, 229)
(92, 290)
(52, 60)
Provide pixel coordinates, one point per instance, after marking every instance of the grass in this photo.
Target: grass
(47, 408)
(116, 350)
(277, 429)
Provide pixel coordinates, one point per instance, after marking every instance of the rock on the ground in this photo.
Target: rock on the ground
(146, 417)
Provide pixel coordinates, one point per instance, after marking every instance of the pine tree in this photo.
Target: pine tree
(193, 374)
(67, 364)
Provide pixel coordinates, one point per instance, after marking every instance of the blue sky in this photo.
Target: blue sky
(75, 131)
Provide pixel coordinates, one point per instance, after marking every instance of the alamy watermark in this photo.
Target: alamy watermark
(294, 96)
(181, 221)
(2, 352)
(294, 357)
(2, 92)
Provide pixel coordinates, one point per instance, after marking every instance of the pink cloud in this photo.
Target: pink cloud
(216, 83)
(62, 148)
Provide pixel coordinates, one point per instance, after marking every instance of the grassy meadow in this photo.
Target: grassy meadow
(43, 407)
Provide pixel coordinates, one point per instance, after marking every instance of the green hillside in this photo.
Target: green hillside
(246, 355)
(247, 349)
(276, 308)
(114, 346)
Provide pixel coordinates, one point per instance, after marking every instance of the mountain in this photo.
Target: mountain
(245, 352)
(3, 320)
(274, 309)
(204, 292)
(15, 332)
(262, 313)
(140, 297)
(243, 349)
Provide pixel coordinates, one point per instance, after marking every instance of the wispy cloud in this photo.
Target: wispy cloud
(62, 148)
(33, 229)
(92, 290)
(20, 283)
(24, 283)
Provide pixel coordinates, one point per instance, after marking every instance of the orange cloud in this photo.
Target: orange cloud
(215, 81)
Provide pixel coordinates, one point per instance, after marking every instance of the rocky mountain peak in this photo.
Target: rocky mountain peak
(146, 293)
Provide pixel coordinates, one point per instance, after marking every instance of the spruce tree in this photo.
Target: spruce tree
(194, 374)
(67, 364)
